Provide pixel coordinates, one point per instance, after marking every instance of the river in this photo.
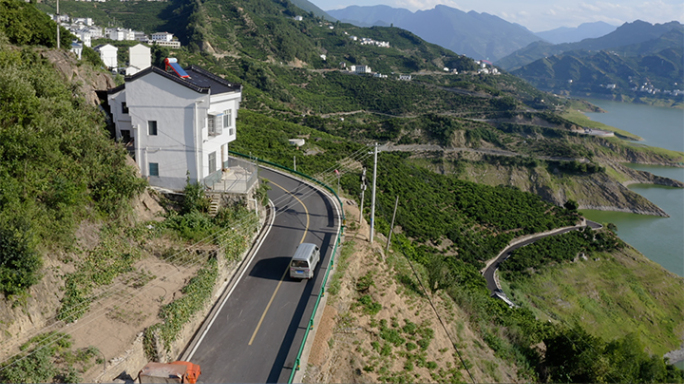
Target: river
(660, 239)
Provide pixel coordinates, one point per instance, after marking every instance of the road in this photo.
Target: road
(491, 269)
(258, 330)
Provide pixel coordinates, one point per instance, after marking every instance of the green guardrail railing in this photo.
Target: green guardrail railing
(321, 293)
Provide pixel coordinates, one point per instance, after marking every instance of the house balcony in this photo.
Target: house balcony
(237, 177)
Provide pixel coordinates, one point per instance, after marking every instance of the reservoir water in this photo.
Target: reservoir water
(660, 239)
(658, 126)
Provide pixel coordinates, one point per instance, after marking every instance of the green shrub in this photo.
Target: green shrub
(19, 262)
(392, 335)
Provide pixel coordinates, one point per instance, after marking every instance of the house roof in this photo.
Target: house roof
(200, 80)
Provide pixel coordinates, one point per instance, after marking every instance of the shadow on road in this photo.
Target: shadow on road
(272, 268)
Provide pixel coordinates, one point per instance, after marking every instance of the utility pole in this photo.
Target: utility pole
(375, 176)
(389, 236)
(363, 189)
(58, 20)
(294, 161)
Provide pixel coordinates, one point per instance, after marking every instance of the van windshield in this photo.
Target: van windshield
(300, 264)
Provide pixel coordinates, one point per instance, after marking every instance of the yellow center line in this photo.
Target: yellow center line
(306, 229)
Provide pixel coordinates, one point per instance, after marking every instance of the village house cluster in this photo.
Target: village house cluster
(369, 41)
(86, 31)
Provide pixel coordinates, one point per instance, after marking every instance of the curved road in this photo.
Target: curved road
(258, 330)
(491, 269)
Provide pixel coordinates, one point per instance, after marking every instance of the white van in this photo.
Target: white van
(304, 261)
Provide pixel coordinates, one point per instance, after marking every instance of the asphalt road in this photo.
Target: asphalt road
(489, 272)
(258, 331)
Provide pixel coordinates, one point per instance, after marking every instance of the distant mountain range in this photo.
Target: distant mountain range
(627, 34)
(572, 35)
(648, 68)
(477, 35)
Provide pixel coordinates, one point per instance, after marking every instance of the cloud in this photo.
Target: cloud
(590, 7)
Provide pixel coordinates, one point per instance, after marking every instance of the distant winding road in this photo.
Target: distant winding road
(493, 265)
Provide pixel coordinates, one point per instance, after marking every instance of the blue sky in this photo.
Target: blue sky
(542, 15)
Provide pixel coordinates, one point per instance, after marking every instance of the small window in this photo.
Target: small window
(227, 118)
(214, 124)
(124, 108)
(300, 264)
(231, 131)
(210, 125)
(212, 162)
(152, 128)
(154, 169)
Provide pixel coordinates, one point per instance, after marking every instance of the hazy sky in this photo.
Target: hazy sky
(542, 15)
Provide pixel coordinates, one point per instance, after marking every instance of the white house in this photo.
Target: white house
(298, 18)
(178, 124)
(85, 36)
(162, 36)
(140, 57)
(108, 54)
(77, 49)
(362, 69)
(83, 20)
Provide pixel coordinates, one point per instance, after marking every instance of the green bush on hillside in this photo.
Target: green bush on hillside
(23, 24)
(58, 165)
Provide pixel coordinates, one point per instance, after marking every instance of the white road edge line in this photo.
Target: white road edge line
(256, 250)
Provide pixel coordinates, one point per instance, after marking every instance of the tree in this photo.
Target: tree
(571, 205)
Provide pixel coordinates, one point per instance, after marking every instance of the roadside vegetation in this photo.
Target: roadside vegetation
(55, 362)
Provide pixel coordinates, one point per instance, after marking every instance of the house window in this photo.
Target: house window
(227, 118)
(154, 169)
(124, 108)
(210, 125)
(214, 125)
(231, 131)
(152, 128)
(212, 162)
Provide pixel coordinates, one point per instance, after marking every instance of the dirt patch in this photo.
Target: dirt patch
(129, 306)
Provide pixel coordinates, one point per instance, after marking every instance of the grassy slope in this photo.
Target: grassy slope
(579, 118)
(610, 295)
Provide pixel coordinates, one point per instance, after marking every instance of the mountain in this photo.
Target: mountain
(477, 35)
(377, 15)
(311, 7)
(635, 70)
(627, 34)
(572, 35)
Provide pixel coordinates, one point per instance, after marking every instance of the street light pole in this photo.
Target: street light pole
(375, 175)
(58, 42)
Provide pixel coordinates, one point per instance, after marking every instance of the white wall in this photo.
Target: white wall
(175, 148)
(140, 56)
(108, 55)
(219, 104)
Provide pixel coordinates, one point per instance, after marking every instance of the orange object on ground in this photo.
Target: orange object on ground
(176, 372)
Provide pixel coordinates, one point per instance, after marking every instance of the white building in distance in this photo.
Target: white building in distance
(108, 54)
(178, 124)
(140, 57)
(162, 36)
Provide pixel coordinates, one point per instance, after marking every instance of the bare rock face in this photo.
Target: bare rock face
(89, 79)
